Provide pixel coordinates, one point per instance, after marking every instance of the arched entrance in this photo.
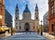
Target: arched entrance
(27, 27)
(52, 27)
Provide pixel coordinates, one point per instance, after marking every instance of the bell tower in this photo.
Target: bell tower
(2, 13)
(36, 13)
(36, 18)
(17, 12)
(16, 16)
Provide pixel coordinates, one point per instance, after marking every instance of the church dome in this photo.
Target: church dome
(26, 13)
(26, 9)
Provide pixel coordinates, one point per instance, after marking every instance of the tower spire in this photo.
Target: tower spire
(36, 8)
(36, 12)
(16, 15)
(17, 12)
(17, 7)
(26, 6)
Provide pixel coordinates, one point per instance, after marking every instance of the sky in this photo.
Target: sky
(10, 5)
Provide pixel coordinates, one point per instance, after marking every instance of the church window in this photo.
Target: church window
(16, 27)
(36, 17)
(33, 27)
(19, 27)
(16, 23)
(16, 18)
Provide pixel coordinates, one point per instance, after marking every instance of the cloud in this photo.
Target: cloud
(42, 6)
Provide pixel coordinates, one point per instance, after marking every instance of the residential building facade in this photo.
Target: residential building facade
(8, 19)
(45, 22)
(5, 17)
(2, 13)
(51, 17)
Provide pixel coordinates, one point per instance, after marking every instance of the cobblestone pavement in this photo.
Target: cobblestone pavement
(5, 35)
(26, 36)
(50, 37)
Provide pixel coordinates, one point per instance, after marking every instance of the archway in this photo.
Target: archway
(27, 27)
(52, 27)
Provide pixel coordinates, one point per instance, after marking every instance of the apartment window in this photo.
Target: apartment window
(0, 24)
(0, 5)
(52, 9)
(50, 0)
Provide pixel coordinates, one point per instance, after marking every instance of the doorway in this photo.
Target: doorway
(27, 27)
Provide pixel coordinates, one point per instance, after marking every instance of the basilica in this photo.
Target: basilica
(26, 24)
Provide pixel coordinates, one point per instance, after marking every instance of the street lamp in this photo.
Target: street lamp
(11, 30)
(41, 28)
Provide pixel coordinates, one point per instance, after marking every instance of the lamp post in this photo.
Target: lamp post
(11, 30)
(41, 28)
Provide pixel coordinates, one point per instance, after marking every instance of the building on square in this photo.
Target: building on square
(26, 24)
(51, 15)
(8, 19)
(45, 22)
(2, 13)
(5, 16)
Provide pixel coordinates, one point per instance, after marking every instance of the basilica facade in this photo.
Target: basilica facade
(26, 24)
